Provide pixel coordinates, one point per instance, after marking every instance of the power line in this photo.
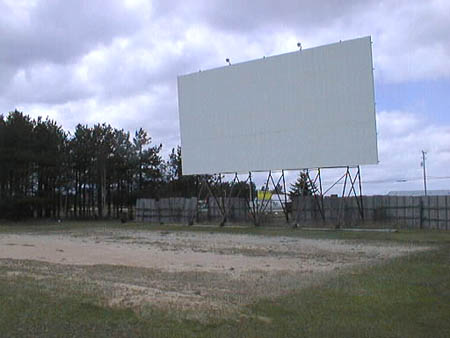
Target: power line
(398, 180)
(438, 177)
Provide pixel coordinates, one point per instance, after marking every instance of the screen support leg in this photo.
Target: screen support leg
(195, 215)
(222, 194)
(317, 192)
(276, 186)
(258, 208)
(353, 185)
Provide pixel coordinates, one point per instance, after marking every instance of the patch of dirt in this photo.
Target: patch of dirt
(196, 272)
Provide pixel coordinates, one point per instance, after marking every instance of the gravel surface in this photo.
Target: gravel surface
(200, 272)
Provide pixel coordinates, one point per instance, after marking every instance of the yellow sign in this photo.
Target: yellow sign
(264, 195)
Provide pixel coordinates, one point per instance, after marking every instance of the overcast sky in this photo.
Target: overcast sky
(91, 61)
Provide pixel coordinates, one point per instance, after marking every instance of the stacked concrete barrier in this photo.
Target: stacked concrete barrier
(166, 210)
(423, 212)
(236, 208)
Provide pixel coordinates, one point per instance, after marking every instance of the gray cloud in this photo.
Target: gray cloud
(47, 83)
(144, 70)
(411, 40)
(245, 15)
(402, 137)
(126, 51)
(61, 31)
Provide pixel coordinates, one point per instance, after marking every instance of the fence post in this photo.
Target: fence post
(446, 212)
(429, 210)
(421, 213)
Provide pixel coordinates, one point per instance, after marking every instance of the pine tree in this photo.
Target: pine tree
(302, 186)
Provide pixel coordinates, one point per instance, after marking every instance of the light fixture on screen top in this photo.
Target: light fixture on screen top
(227, 60)
(299, 45)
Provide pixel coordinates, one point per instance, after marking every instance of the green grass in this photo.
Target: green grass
(406, 297)
(409, 297)
(417, 236)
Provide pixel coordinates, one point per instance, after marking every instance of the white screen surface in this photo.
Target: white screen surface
(306, 109)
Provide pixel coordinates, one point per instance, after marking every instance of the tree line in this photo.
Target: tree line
(96, 171)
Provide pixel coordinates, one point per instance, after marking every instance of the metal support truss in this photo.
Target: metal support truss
(317, 192)
(350, 181)
(223, 202)
(351, 185)
(262, 206)
(222, 195)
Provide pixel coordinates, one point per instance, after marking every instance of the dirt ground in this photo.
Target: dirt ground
(199, 273)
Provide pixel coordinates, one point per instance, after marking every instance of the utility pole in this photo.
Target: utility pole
(424, 172)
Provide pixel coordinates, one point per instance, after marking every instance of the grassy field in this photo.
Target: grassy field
(405, 297)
